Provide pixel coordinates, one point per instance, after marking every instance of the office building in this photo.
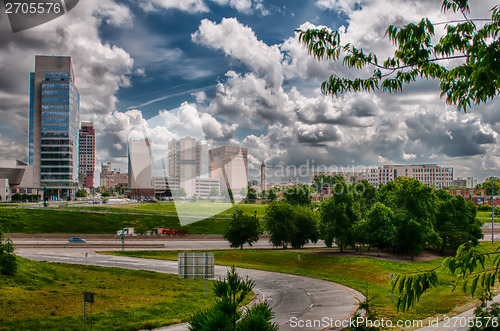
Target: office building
(110, 178)
(53, 126)
(468, 182)
(203, 186)
(140, 161)
(230, 164)
(86, 151)
(16, 177)
(185, 162)
(428, 174)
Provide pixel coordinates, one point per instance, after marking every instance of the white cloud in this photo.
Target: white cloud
(190, 6)
(240, 42)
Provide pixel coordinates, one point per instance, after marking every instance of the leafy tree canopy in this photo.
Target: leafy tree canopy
(476, 79)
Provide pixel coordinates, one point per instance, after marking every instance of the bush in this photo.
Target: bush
(8, 261)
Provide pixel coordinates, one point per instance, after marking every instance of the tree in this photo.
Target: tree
(290, 224)
(251, 193)
(8, 261)
(105, 194)
(272, 195)
(456, 221)
(214, 192)
(81, 193)
(322, 181)
(242, 229)
(225, 314)
(486, 185)
(181, 192)
(300, 194)
(280, 223)
(476, 79)
(306, 224)
(339, 214)
(378, 228)
(414, 207)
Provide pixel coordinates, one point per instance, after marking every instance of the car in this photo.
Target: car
(77, 240)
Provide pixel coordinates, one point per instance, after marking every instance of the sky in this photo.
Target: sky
(235, 69)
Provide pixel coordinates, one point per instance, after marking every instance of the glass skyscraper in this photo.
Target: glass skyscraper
(54, 124)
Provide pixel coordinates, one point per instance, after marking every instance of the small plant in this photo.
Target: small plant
(225, 314)
(8, 261)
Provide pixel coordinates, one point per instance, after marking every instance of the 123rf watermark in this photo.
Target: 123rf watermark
(25, 15)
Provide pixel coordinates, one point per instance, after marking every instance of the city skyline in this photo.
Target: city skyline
(256, 88)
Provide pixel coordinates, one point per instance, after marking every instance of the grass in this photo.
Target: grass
(364, 274)
(485, 217)
(24, 220)
(49, 296)
(187, 208)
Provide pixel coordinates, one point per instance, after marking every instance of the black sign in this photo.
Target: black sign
(88, 297)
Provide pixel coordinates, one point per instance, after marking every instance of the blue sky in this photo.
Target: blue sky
(237, 69)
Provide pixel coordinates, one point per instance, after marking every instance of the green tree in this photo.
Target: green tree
(251, 193)
(290, 224)
(475, 79)
(242, 229)
(456, 221)
(181, 192)
(81, 193)
(339, 214)
(299, 195)
(368, 195)
(105, 194)
(272, 195)
(487, 186)
(322, 181)
(214, 192)
(280, 223)
(306, 224)
(414, 206)
(378, 228)
(225, 314)
(8, 260)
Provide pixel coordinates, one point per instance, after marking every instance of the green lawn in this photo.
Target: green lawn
(485, 217)
(22, 220)
(200, 207)
(49, 296)
(361, 273)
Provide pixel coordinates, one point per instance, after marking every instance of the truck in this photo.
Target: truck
(125, 232)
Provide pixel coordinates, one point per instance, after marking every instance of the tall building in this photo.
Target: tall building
(428, 174)
(140, 162)
(230, 164)
(53, 126)
(185, 162)
(86, 151)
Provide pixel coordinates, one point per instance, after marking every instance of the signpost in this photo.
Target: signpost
(87, 297)
(196, 265)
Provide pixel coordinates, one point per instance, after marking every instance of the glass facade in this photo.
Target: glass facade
(31, 130)
(60, 112)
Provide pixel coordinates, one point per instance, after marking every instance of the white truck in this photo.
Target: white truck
(125, 232)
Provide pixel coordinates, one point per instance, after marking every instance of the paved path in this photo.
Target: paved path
(295, 300)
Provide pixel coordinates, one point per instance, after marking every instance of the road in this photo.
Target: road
(295, 300)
